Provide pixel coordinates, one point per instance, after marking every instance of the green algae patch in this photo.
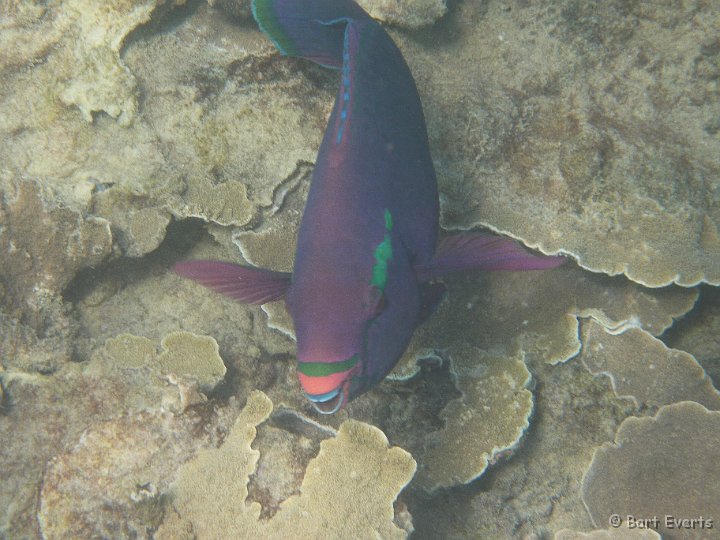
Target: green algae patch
(347, 492)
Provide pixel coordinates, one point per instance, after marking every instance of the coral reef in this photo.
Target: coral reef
(183, 354)
(128, 406)
(110, 483)
(488, 419)
(363, 475)
(665, 465)
(642, 368)
(136, 134)
(43, 244)
(614, 166)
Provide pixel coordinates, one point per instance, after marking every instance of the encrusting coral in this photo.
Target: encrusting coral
(183, 353)
(616, 166)
(644, 369)
(664, 465)
(487, 420)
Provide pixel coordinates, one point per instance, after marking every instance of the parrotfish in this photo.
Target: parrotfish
(367, 253)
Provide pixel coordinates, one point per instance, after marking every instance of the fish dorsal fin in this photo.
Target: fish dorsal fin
(244, 284)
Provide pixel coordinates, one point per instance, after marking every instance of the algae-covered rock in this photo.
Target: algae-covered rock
(662, 466)
(615, 166)
(102, 82)
(357, 468)
(405, 13)
(139, 404)
(644, 369)
(109, 484)
(43, 244)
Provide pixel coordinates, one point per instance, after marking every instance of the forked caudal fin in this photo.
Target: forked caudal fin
(308, 28)
(482, 251)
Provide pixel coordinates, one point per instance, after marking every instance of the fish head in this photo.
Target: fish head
(344, 352)
(331, 342)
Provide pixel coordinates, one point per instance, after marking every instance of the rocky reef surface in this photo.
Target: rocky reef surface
(134, 404)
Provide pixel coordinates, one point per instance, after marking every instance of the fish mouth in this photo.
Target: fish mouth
(328, 403)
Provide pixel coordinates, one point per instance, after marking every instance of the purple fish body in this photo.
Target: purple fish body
(367, 247)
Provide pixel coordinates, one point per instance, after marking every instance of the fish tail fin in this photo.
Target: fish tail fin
(312, 29)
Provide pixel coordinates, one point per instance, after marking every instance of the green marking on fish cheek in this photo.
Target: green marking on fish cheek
(383, 253)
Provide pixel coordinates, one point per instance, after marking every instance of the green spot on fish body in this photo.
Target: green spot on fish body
(383, 253)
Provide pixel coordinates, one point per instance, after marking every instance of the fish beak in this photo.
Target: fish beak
(328, 403)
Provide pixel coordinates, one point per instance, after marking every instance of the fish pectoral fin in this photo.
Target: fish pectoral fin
(242, 283)
(482, 251)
